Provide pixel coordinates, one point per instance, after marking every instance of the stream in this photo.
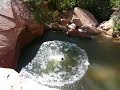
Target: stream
(103, 56)
(103, 72)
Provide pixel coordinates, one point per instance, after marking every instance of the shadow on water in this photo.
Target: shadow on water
(27, 54)
(103, 54)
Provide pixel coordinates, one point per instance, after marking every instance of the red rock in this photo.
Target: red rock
(15, 32)
(76, 20)
(6, 8)
(91, 30)
(76, 33)
(63, 22)
(85, 17)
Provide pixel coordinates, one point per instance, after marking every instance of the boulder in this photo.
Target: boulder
(91, 30)
(72, 26)
(57, 26)
(16, 31)
(77, 33)
(5, 8)
(85, 17)
(76, 20)
(107, 25)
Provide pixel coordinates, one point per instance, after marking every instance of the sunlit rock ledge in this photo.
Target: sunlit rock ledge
(11, 80)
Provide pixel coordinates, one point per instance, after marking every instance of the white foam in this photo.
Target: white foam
(47, 69)
(56, 57)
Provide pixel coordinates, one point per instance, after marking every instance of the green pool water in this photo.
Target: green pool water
(103, 54)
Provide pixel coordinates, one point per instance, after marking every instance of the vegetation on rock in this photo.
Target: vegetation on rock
(116, 24)
(115, 3)
(116, 20)
(43, 10)
(46, 11)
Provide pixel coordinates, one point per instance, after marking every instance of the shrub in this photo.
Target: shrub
(116, 20)
(115, 3)
(100, 8)
(116, 15)
(62, 4)
(40, 14)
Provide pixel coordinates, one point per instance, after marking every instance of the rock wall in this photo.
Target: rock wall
(17, 29)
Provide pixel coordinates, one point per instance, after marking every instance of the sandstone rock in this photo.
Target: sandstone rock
(72, 26)
(85, 17)
(110, 32)
(107, 25)
(79, 22)
(90, 30)
(5, 8)
(16, 31)
(76, 20)
(79, 19)
(6, 23)
(57, 26)
(76, 33)
(63, 22)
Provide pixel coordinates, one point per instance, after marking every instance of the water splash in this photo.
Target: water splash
(57, 63)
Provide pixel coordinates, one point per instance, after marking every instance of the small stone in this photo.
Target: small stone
(80, 30)
(72, 26)
(110, 32)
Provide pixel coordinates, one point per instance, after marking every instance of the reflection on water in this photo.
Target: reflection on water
(102, 78)
(104, 58)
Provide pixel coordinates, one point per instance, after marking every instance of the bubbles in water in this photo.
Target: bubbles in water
(57, 63)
